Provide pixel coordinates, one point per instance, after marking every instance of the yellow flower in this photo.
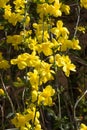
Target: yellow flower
(45, 72)
(83, 127)
(4, 64)
(15, 40)
(26, 59)
(83, 3)
(64, 44)
(24, 121)
(46, 48)
(20, 61)
(34, 79)
(55, 9)
(51, 1)
(81, 29)
(58, 60)
(75, 44)
(24, 128)
(2, 92)
(7, 13)
(60, 30)
(31, 113)
(3, 3)
(19, 120)
(27, 20)
(56, 44)
(65, 9)
(32, 60)
(51, 59)
(67, 65)
(20, 3)
(15, 18)
(52, 9)
(38, 127)
(32, 43)
(48, 91)
(45, 96)
(42, 9)
(34, 95)
(67, 68)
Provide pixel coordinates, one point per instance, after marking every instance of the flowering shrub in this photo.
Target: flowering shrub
(34, 47)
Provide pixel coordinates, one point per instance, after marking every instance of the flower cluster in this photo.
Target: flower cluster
(27, 119)
(39, 43)
(64, 62)
(18, 14)
(54, 7)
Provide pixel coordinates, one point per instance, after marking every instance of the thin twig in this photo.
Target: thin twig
(2, 114)
(78, 19)
(75, 106)
(11, 103)
(43, 120)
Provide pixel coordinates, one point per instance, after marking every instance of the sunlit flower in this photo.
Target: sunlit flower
(45, 97)
(83, 3)
(83, 127)
(3, 3)
(60, 30)
(34, 80)
(2, 92)
(46, 48)
(75, 44)
(45, 72)
(65, 9)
